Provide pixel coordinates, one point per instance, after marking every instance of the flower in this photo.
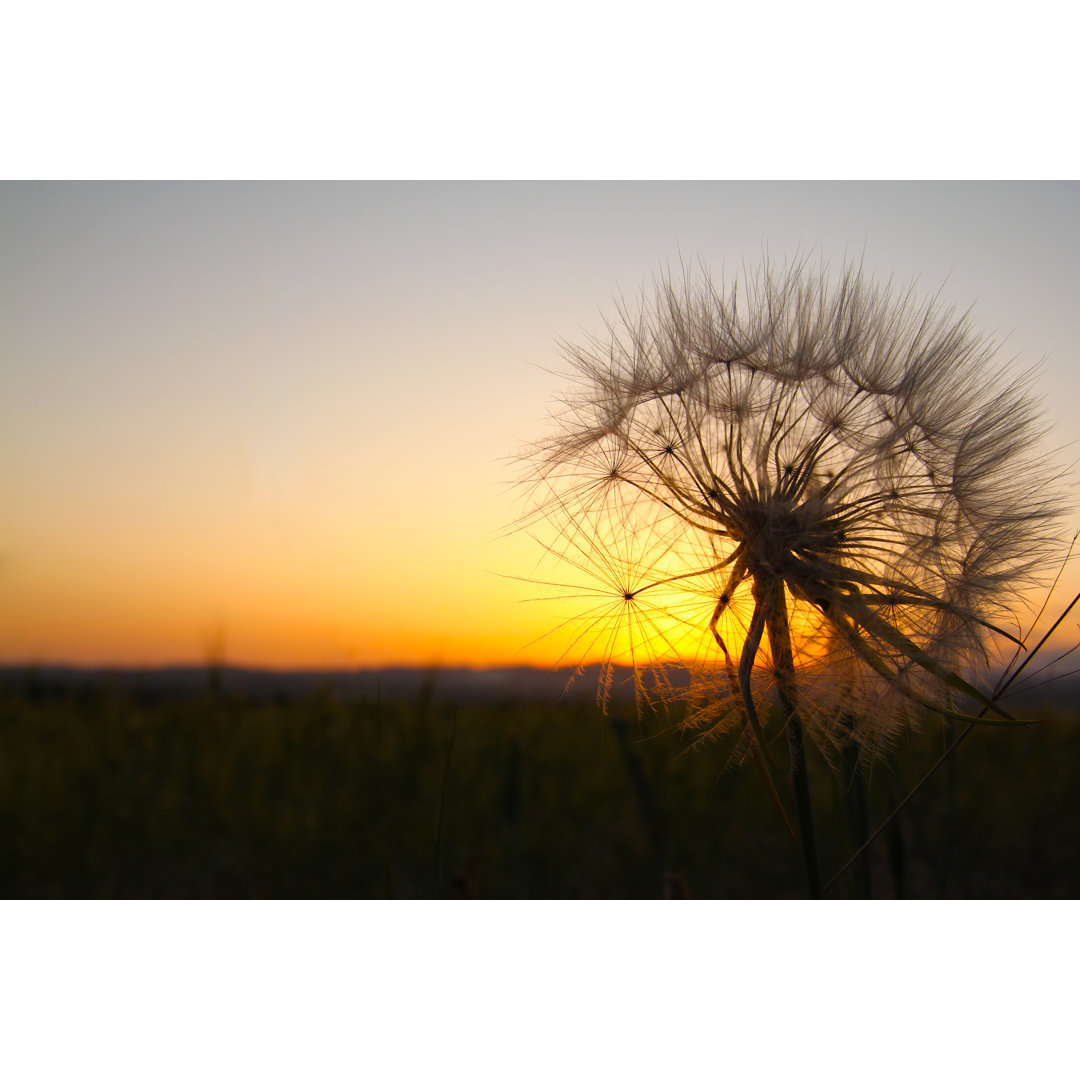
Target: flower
(786, 490)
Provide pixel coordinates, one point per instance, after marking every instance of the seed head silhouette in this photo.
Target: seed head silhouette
(795, 497)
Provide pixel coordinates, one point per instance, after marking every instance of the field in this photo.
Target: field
(120, 792)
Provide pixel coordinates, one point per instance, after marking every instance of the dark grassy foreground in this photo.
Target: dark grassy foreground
(110, 793)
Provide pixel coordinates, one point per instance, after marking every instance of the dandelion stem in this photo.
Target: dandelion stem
(771, 596)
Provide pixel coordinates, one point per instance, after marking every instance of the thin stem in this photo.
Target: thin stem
(643, 795)
(999, 691)
(772, 598)
(901, 804)
(442, 797)
(858, 816)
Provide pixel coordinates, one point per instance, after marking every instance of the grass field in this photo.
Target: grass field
(106, 792)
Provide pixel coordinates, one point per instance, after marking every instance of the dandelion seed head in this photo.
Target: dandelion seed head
(843, 465)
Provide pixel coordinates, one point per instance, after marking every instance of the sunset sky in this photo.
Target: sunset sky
(273, 423)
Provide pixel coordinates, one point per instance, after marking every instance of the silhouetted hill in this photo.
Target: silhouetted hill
(1055, 682)
(394, 683)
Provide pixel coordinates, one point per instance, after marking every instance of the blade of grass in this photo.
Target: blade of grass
(442, 797)
(998, 692)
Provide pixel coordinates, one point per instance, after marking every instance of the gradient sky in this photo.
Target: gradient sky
(271, 423)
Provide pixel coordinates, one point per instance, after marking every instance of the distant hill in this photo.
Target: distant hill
(1055, 682)
(396, 683)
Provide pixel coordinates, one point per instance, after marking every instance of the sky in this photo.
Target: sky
(275, 423)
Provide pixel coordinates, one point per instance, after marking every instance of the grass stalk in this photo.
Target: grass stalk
(643, 796)
(442, 797)
(1006, 681)
(858, 816)
(512, 811)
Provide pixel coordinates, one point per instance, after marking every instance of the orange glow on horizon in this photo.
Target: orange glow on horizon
(485, 622)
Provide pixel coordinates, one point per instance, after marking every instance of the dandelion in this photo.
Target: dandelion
(790, 498)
